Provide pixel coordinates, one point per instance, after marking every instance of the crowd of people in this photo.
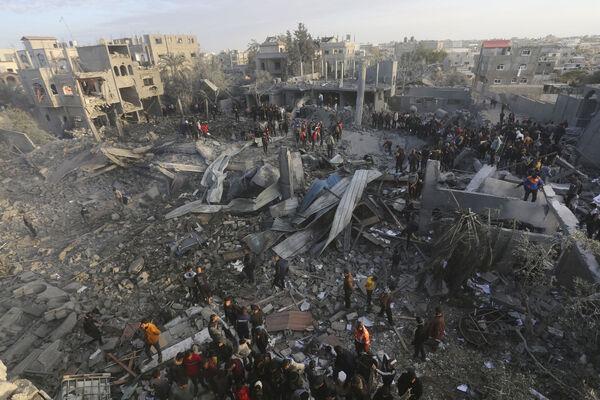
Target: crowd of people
(241, 363)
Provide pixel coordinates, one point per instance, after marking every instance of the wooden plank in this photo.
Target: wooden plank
(120, 364)
(182, 167)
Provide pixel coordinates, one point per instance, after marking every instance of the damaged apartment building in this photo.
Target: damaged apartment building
(86, 87)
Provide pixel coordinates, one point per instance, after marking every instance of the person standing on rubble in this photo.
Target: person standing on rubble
(190, 284)
(330, 142)
(532, 184)
(419, 339)
(348, 288)
(265, 140)
(151, 338)
(231, 310)
(242, 324)
(370, 285)
(202, 288)
(249, 266)
(236, 113)
(413, 160)
(436, 328)
(385, 302)
(281, 271)
(399, 158)
(362, 338)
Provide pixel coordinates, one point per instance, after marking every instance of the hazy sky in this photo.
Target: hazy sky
(222, 24)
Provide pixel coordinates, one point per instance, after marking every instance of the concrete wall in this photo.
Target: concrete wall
(589, 143)
(18, 139)
(429, 99)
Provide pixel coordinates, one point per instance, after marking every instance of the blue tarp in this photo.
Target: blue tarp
(315, 189)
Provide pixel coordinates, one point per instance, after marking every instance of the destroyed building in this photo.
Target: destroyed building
(148, 49)
(86, 87)
(272, 57)
(8, 67)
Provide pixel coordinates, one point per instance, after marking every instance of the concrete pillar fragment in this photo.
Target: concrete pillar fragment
(360, 94)
(286, 177)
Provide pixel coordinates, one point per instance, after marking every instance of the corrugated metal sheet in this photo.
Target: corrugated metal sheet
(299, 242)
(351, 197)
(327, 199)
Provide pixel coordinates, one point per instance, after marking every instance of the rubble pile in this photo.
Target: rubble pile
(213, 201)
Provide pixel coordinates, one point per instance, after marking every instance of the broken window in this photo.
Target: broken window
(277, 65)
(193, 55)
(513, 80)
(47, 118)
(116, 69)
(130, 69)
(10, 70)
(24, 58)
(526, 52)
(523, 80)
(53, 89)
(500, 67)
(148, 81)
(179, 40)
(41, 59)
(158, 40)
(123, 70)
(497, 81)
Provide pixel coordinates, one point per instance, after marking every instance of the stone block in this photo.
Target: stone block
(25, 390)
(21, 347)
(2, 371)
(65, 327)
(6, 389)
(110, 343)
(50, 356)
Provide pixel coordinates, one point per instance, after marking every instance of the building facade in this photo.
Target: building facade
(339, 56)
(8, 67)
(272, 57)
(86, 87)
(501, 63)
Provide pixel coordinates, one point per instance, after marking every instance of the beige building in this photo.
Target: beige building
(88, 86)
(157, 46)
(339, 56)
(8, 67)
(272, 57)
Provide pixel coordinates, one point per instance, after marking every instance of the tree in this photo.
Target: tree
(573, 78)
(252, 50)
(176, 75)
(262, 83)
(301, 48)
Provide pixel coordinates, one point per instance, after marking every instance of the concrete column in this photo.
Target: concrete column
(353, 68)
(286, 176)
(377, 75)
(301, 68)
(360, 94)
(312, 67)
(336, 72)
(342, 76)
(326, 68)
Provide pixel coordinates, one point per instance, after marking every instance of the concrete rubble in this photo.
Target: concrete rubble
(210, 202)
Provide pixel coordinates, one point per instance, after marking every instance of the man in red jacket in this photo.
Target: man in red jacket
(192, 362)
(436, 328)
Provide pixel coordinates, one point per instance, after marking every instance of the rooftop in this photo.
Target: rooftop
(495, 43)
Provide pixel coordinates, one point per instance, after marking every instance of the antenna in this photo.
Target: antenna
(62, 19)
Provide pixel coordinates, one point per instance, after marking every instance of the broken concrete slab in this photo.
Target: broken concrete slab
(66, 327)
(485, 172)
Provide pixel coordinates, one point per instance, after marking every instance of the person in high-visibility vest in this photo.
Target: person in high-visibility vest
(531, 184)
(362, 338)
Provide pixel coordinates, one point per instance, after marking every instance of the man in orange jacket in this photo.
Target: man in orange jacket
(362, 338)
(151, 338)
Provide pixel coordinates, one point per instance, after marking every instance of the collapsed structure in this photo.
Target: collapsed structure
(87, 87)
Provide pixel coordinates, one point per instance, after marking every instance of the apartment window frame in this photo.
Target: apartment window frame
(525, 52)
(497, 81)
(514, 81)
(149, 81)
(500, 67)
(157, 40)
(522, 67)
(523, 81)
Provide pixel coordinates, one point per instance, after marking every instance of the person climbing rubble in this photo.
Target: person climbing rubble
(151, 338)
(436, 328)
(419, 338)
(281, 269)
(385, 304)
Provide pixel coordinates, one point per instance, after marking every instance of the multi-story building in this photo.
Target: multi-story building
(501, 63)
(339, 56)
(8, 67)
(88, 86)
(272, 57)
(149, 48)
(232, 58)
